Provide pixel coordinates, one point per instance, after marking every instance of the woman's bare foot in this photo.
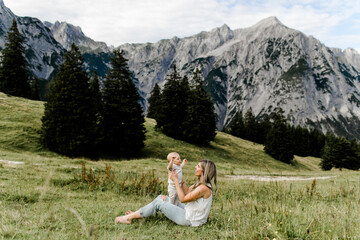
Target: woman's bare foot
(122, 219)
(128, 212)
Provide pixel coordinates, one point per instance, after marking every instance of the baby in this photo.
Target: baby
(174, 165)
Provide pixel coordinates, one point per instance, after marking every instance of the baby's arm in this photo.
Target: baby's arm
(183, 163)
(170, 165)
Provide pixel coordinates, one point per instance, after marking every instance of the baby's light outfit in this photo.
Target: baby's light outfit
(173, 197)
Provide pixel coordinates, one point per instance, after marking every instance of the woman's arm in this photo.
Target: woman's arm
(185, 188)
(191, 195)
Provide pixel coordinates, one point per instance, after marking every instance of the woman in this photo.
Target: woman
(198, 198)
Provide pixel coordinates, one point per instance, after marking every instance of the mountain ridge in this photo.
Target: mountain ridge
(261, 67)
(235, 65)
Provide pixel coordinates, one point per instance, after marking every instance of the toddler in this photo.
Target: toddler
(174, 165)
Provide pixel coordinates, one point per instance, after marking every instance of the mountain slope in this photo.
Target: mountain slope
(43, 52)
(66, 34)
(46, 44)
(263, 67)
(20, 125)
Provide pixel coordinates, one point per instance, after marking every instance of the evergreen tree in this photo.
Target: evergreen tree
(251, 126)
(237, 126)
(94, 85)
(354, 162)
(279, 142)
(301, 138)
(339, 153)
(316, 143)
(264, 128)
(35, 89)
(123, 120)
(200, 119)
(13, 77)
(174, 104)
(154, 102)
(69, 118)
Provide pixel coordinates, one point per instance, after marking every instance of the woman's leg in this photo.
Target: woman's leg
(180, 204)
(172, 212)
(161, 203)
(128, 218)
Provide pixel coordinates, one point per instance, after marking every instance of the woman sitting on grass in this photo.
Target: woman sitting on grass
(198, 198)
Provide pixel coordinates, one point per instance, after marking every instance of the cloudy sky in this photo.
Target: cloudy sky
(336, 23)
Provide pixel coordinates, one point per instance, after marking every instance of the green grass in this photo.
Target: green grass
(46, 197)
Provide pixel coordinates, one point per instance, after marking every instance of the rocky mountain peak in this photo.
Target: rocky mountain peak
(66, 34)
(224, 29)
(267, 22)
(6, 15)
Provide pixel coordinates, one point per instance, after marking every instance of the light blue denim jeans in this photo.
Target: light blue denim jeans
(175, 213)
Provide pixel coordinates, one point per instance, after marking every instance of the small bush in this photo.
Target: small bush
(104, 180)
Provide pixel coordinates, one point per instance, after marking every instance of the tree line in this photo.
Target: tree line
(82, 120)
(282, 141)
(182, 110)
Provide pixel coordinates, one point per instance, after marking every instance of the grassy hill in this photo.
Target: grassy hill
(44, 195)
(20, 123)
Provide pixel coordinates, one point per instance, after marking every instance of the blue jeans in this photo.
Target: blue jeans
(175, 213)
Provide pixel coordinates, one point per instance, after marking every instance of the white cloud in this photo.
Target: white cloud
(117, 22)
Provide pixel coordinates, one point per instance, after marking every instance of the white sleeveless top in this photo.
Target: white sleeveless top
(197, 212)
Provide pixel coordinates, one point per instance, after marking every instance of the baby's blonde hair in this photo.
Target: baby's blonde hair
(170, 155)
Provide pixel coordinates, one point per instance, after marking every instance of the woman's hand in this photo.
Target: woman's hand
(173, 175)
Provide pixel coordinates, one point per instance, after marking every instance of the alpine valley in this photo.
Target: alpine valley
(261, 67)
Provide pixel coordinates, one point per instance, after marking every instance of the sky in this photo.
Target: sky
(336, 23)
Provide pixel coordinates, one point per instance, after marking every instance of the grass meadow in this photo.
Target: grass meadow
(44, 195)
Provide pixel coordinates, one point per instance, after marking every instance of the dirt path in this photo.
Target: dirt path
(275, 178)
(11, 162)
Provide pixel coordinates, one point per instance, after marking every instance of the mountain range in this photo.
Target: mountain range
(261, 67)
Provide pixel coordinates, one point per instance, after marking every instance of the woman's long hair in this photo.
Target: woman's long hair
(208, 174)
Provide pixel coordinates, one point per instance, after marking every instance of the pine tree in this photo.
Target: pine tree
(251, 126)
(174, 104)
(199, 125)
(69, 118)
(354, 162)
(316, 143)
(331, 154)
(264, 128)
(279, 142)
(154, 102)
(123, 120)
(237, 126)
(35, 89)
(94, 85)
(13, 77)
(339, 153)
(301, 138)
